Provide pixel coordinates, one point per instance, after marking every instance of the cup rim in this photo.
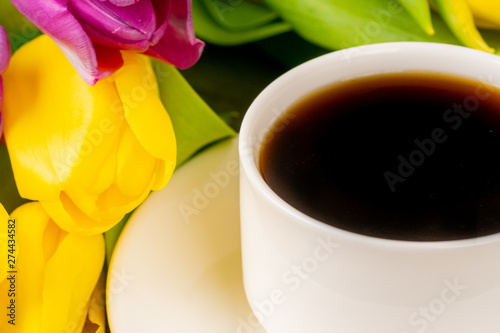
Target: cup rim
(249, 166)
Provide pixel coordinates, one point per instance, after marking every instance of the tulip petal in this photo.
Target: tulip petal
(148, 119)
(1, 100)
(69, 280)
(105, 210)
(139, 45)
(109, 60)
(54, 19)
(4, 50)
(95, 168)
(458, 16)
(135, 166)
(162, 174)
(122, 2)
(84, 202)
(27, 129)
(56, 274)
(52, 236)
(140, 15)
(95, 183)
(115, 26)
(115, 202)
(44, 152)
(144, 111)
(178, 46)
(32, 223)
(54, 271)
(70, 218)
(4, 62)
(162, 10)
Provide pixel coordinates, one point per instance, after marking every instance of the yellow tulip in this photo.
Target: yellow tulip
(52, 285)
(89, 155)
(458, 15)
(486, 13)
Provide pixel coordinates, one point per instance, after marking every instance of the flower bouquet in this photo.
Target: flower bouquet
(95, 115)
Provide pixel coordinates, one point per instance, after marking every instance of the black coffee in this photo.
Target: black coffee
(413, 156)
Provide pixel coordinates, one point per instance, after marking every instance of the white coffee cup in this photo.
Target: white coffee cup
(302, 276)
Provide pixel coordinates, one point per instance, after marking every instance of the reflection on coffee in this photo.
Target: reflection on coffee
(408, 156)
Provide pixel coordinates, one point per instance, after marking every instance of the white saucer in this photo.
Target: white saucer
(177, 265)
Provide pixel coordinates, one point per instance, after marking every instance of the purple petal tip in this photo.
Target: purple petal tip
(4, 50)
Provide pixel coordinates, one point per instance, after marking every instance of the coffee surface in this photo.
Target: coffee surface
(408, 156)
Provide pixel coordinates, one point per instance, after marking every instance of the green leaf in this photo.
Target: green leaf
(195, 123)
(208, 29)
(339, 24)
(9, 196)
(195, 126)
(290, 49)
(492, 37)
(239, 14)
(19, 29)
(230, 78)
(421, 13)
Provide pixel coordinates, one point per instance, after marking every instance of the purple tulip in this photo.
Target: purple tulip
(4, 62)
(92, 32)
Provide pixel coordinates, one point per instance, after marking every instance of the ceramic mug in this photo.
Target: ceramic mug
(301, 275)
